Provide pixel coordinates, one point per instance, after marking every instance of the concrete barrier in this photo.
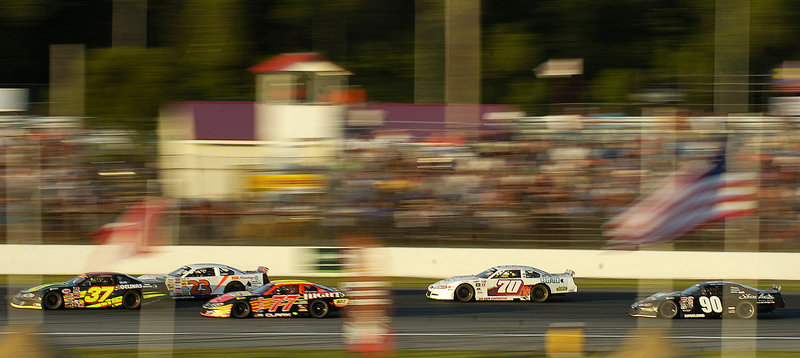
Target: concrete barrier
(403, 262)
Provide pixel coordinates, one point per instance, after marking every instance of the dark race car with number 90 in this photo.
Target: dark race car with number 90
(283, 298)
(712, 299)
(89, 290)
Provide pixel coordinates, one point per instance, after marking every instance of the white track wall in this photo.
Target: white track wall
(405, 262)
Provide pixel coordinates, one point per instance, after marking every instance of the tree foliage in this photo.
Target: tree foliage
(200, 49)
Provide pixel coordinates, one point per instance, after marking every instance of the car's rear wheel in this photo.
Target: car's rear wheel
(540, 293)
(318, 309)
(668, 310)
(234, 286)
(132, 300)
(464, 292)
(745, 310)
(241, 309)
(52, 301)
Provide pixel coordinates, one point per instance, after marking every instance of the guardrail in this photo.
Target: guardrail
(307, 261)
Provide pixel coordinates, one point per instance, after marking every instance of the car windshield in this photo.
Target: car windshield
(324, 288)
(691, 290)
(179, 272)
(261, 290)
(75, 280)
(487, 273)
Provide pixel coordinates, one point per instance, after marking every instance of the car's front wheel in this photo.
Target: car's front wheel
(464, 292)
(318, 309)
(52, 301)
(668, 310)
(241, 309)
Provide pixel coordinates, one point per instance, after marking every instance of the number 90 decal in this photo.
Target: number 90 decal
(711, 304)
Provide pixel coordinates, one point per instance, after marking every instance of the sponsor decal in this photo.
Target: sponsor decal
(277, 314)
(731, 309)
(766, 296)
(313, 295)
(747, 296)
(687, 303)
(561, 288)
(694, 315)
(548, 279)
(130, 286)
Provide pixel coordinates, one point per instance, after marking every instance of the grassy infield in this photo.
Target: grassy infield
(400, 282)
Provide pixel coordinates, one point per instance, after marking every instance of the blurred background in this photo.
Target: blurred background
(422, 123)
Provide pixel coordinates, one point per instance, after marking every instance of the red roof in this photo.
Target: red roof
(283, 61)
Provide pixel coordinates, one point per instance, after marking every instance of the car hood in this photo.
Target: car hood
(42, 287)
(457, 279)
(231, 296)
(159, 278)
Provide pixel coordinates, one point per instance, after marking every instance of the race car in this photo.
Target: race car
(504, 283)
(89, 290)
(283, 298)
(202, 280)
(711, 299)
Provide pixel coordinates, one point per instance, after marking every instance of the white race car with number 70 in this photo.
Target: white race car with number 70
(504, 283)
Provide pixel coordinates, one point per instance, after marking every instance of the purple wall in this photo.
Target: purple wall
(236, 120)
(224, 120)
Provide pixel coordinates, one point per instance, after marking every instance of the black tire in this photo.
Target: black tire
(241, 309)
(234, 286)
(132, 300)
(746, 310)
(540, 293)
(318, 309)
(464, 292)
(668, 310)
(52, 301)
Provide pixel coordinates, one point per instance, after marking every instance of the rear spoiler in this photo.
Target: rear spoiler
(776, 287)
(570, 272)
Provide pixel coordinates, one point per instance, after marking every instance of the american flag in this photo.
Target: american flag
(688, 199)
(136, 230)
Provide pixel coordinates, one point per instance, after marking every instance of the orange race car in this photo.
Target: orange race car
(283, 298)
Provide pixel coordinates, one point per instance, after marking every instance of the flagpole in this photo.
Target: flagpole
(646, 287)
(158, 316)
(23, 206)
(738, 232)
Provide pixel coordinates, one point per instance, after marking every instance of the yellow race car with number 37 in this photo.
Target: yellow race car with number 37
(89, 290)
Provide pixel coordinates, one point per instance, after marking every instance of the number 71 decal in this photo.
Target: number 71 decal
(277, 300)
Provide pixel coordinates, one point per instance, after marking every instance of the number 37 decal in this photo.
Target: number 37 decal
(98, 294)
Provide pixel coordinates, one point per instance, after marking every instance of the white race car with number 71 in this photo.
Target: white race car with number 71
(504, 283)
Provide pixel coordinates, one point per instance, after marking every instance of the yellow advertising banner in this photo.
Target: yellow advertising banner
(293, 182)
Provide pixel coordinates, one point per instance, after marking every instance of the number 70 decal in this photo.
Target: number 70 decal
(508, 286)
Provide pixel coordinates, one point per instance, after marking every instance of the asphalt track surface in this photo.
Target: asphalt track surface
(417, 323)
